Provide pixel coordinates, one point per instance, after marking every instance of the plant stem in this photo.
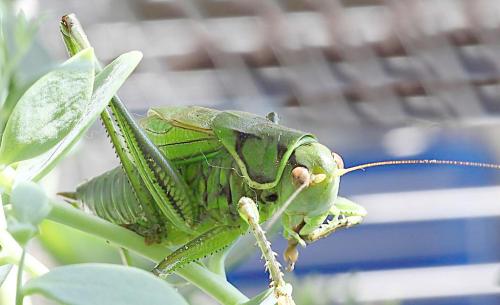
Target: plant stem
(11, 253)
(19, 283)
(216, 263)
(3, 219)
(125, 257)
(211, 283)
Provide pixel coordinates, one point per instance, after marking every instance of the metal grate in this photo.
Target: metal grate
(385, 63)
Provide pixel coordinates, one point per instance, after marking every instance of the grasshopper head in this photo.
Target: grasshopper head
(315, 166)
(311, 182)
(316, 170)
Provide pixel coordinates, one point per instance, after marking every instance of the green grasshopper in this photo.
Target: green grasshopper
(196, 179)
(207, 160)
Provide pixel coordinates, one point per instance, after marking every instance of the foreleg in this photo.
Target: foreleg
(343, 214)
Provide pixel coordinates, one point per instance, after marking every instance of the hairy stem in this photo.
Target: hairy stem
(249, 212)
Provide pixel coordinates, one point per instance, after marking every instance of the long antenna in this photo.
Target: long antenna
(344, 171)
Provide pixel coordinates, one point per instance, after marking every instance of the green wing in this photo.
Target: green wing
(260, 147)
(183, 134)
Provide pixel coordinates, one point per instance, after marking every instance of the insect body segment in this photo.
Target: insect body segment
(119, 206)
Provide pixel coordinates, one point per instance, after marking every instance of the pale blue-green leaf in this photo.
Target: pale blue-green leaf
(106, 85)
(4, 271)
(264, 298)
(49, 109)
(103, 284)
(30, 206)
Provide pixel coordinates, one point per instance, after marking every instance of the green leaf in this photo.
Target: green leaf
(103, 284)
(30, 206)
(106, 85)
(49, 109)
(4, 271)
(265, 297)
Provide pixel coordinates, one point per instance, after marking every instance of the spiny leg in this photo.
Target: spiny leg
(283, 291)
(345, 214)
(76, 40)
(204, 245)
(161, 178)
(159, 186)
(130, 168)
(291, 253)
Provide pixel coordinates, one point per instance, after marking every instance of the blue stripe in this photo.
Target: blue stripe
(391, 246)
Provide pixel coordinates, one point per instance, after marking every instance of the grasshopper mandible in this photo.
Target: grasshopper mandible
(196, 179)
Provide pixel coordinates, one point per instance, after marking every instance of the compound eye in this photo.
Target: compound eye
(338, 159)
(301, 175)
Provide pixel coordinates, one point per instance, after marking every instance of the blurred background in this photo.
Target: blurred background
(373, 79)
